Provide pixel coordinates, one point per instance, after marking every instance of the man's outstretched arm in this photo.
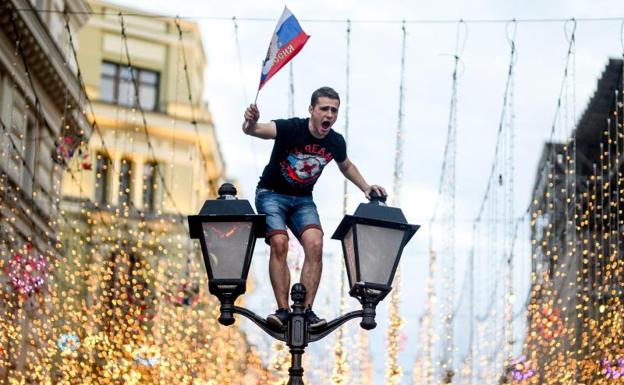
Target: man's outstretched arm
(351, 172)
(253, 128)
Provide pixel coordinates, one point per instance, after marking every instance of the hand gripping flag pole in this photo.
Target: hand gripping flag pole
(288, 39)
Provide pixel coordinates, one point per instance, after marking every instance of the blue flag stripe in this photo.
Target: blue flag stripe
(289, 30)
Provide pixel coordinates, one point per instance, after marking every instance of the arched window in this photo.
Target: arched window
(150, 187)
(102, 179)
(125, 182)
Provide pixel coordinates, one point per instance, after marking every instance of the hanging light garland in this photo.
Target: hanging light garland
(549, 322)
(27, 271)
(612, 369)
(520, 370)
(341, 371)
(394, 371)
(147, 356)
(184, 294)
(68, 342)
(107, 288)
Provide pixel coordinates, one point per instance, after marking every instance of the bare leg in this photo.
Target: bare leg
(278, 269)
(312, 241)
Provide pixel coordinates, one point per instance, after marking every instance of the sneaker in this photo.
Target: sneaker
(313, 320)
(279, 318)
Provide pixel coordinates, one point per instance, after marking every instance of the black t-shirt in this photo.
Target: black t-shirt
(298, 158)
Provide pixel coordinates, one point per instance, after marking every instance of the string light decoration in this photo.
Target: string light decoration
(365, 366)
(66, 148)
(27, 271)
(147, 356)
(394, 372)
(341, 369)
(28, 243)
(184, 294)
(494, 228)
(549, 323)
(552, 213)
(577, 331)
(279, 363)
(520, 370)
(109, 291)
(440, 290)
(511, 223)
(612, 369)
(426, 336)
(68, 342)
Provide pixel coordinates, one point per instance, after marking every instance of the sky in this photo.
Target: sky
(372, 102)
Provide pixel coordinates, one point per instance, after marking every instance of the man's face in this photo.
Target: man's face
(323, 116)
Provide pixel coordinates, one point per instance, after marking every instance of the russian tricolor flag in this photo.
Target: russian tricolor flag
(287, 41)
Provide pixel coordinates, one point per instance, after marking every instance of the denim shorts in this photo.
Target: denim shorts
(298, 213)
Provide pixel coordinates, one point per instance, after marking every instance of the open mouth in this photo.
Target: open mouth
(326, 124)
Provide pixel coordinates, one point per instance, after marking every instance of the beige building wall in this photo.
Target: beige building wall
(188, 157)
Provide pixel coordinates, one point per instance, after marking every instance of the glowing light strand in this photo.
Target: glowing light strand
(341, 370)
(393, 370)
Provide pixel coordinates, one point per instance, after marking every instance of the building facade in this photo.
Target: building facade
(577, 221)
(155, 148)
(40, 119)
(134, 292)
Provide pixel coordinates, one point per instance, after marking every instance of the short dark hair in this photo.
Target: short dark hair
(326, 92)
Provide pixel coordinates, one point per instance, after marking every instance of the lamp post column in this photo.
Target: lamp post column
(297, 334)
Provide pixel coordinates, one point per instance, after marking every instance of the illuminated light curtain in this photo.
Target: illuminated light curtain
(280, 362)
(446, 255)
(393, 370)
(436, 320)
(509, 220)
(29, 255)
(98, 313)
(550, 339)
(341, 373)
(490, 258)
(111, 317)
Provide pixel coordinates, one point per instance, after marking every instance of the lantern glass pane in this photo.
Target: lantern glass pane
(227, 245)
(378, 249)
(349, 250)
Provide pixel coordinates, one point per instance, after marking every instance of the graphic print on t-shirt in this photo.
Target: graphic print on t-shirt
(304, 167)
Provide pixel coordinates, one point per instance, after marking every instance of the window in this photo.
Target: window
(116, 86)
(16, 121)
(125, 182)
(29, 154)
(150, 186)
(102, 169)
(39, 4)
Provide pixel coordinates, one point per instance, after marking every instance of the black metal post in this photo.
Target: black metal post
(227, 316)
(368, 318)
(297, 333)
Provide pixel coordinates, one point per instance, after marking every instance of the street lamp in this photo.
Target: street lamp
(373, 240)
(227, 229)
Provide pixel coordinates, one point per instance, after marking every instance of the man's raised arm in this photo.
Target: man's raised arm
(253, 128)
(352, 173)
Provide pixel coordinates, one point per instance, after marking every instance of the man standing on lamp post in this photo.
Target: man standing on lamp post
(302, 148)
